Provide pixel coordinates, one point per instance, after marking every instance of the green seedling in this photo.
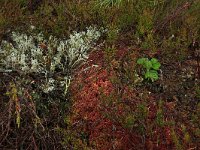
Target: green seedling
(152, 66)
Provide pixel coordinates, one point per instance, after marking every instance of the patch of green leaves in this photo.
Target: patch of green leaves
(151, 66)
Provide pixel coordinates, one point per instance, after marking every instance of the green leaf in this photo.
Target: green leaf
(148, 64)
(155, 64)
(152, 74)
(154, 60)
(141, 61)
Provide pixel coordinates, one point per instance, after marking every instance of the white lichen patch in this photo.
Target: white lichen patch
(35, 54)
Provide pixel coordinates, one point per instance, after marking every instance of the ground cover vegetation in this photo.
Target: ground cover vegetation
(100, 74)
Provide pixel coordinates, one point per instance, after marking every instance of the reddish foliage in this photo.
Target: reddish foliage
(103, 132)
(99, 114)
(90, 112)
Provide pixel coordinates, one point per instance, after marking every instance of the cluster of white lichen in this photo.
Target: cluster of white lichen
(34, 54)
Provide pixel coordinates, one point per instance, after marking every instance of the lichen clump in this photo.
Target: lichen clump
(35, 54)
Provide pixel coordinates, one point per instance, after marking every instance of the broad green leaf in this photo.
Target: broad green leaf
(152, 74)
(155, 64)
(148, 64)
(154, 60)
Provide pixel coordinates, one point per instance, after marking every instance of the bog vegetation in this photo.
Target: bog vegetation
(100, 74)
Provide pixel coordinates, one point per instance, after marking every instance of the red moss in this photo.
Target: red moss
(99, 113)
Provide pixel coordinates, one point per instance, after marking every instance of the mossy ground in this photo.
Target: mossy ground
(108, 106)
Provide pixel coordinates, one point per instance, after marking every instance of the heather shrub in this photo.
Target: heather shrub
(63, 17)
(11, 17)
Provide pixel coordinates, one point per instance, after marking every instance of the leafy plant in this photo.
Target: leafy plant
(152, 66)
